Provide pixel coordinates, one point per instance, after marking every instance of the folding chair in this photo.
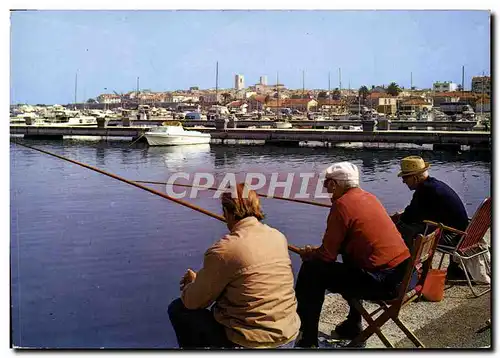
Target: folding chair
(421, 261)
(469, 245)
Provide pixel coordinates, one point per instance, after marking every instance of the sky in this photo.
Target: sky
(170, 50)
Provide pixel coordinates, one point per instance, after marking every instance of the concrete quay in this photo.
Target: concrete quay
(58, 132)
(458, 321)
(313, 124)
(440, 139)
(342, 136)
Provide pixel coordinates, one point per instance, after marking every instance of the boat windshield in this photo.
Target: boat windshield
(167, 129)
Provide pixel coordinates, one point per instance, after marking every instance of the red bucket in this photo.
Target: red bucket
(433, 289)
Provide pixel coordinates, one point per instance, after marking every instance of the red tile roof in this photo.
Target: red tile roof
(415, 102)
(297, 100)
(259, 98)
(333, 102)
(235, 103)
(377, 95)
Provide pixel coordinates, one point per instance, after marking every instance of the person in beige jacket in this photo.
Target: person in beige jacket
(247, 278)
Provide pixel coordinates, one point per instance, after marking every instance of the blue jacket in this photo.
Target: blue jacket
(436, 201)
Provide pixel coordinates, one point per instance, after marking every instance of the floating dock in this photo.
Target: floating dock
(439, 139)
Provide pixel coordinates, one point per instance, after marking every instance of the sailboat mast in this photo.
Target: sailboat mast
(482, 95)
(277, 94)
(340, 81)
(303, 85)
(76, 85)
(463, 76)
(340, 86)
(216, 83)
(138, 97)
(411, 82)
(329, 98)
(359, 103)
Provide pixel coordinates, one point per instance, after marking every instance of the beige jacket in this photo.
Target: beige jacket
(248, 274)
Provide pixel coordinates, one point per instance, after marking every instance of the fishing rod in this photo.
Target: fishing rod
(215, 189)
(292, 248)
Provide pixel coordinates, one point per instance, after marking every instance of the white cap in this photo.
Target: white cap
(343, 171)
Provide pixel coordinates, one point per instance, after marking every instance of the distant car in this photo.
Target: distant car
(195, 116)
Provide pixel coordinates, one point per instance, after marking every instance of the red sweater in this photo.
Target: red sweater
(361, 226)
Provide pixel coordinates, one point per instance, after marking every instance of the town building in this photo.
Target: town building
(181, 97)
(239, 82)
(330, 106)
(257, 103)
(481, 84)
(300, 104)
(108, 98)
(446, 86)
(387, 104)
(237, 106)
(211, 98)
(414, 105)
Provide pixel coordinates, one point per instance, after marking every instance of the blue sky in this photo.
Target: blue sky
(171, 50)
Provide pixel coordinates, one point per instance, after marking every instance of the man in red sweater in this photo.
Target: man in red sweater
(374, 256)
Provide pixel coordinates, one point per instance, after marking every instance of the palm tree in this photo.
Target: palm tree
(363, 93)
(393, 89)
(226, 96)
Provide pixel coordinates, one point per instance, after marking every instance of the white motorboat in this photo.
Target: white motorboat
(82, 120)
(346, 128)
(174, 134)
(283, 125)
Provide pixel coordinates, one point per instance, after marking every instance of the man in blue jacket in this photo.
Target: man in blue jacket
(432, 200)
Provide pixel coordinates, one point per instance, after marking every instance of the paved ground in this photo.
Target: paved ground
(451, 323)
(462, 327)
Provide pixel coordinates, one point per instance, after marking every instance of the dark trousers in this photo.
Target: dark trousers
(197, 328)
(316, 276)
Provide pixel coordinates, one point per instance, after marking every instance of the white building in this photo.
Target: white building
(108, 98)
(239, 82)
(446, 86)
(263, 80)
(481, 84)
(178, 98)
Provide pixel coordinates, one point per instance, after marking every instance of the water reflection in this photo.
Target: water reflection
(369, 165)
(225, 156)
(178, 157)
(100, 156)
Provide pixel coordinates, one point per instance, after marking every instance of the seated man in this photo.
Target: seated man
(374, 256)
(433, 200)
(247, 276)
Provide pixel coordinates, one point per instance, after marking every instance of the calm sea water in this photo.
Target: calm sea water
(95, 262)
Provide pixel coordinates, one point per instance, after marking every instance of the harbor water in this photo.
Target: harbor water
(95, 262)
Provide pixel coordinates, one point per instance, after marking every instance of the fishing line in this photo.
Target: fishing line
(140, 186)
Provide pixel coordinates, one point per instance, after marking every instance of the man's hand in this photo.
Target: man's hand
(188, 277)
(307, 252)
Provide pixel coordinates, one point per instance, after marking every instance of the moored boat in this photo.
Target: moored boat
(172, 133)
(283, 125)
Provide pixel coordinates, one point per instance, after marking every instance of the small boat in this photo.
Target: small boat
(283, 125)
(172, 133)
